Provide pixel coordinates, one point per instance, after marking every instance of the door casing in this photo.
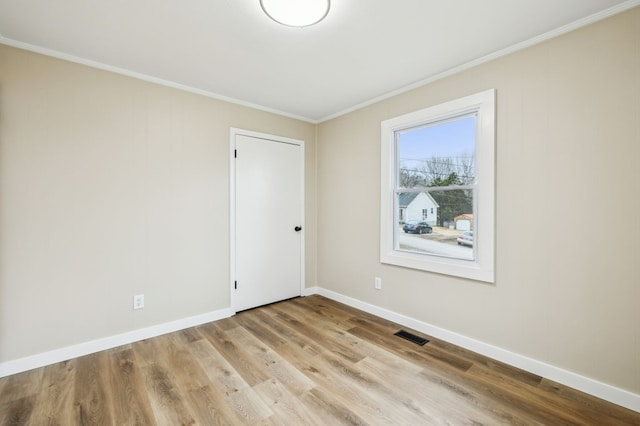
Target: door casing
(232, 205)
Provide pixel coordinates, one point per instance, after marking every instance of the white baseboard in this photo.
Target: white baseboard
(308, 291)
(593, 387)
(47, 358)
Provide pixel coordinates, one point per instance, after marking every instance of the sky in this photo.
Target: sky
(448, 139)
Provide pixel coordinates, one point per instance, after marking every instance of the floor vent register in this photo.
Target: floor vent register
(411, 337)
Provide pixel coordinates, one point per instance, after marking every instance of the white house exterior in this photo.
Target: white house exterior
(417, 206)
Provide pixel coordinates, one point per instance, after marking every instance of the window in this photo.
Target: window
(440, 159)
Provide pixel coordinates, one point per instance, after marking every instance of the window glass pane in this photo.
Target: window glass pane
(448, 232)
(440, 154)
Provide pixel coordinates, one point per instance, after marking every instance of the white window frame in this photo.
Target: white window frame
(482, 268)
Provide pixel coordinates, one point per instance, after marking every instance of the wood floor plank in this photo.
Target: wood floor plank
(250, 407)
(440, 401)
(56, 396)
(17, 411)
(301, 325)
(328, 407)
(362, 347)
(355, 313)
(21, 385)
(330, 380)
(497, 367)
(287, 408)
(372, 399)
(146, 351)
(177, 358)
(247, 366)
(321, 311)
(231, 393)
(481, 397)
(193, 380)
(409, 351)
(599, 411)
(289, 335)
(227, 323)
(260, 329)
(92, 401)
(219, 371)
(189, 335)
(341, 395)
(304, 361)
(131, 405)
(534, 400)
(209, 408)
(384, 334)
(168, 404)
(344, 394)
(274, 365)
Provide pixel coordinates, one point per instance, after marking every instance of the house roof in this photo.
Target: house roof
(406, 198)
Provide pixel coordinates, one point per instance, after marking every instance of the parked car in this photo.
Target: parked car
(416, 227)
(466, 239)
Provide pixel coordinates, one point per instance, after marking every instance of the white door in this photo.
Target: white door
(269, 189)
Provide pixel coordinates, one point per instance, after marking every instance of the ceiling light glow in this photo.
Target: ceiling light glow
(296, 13)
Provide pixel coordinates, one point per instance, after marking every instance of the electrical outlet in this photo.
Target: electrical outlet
(138, 301)
(377, 283)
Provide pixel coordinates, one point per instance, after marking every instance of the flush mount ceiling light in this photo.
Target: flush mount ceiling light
(296, 13)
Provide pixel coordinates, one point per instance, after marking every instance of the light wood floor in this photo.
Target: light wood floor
(303, 361)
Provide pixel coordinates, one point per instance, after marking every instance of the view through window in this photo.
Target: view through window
(435, 183)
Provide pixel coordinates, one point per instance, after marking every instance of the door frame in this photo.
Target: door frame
(232, 205)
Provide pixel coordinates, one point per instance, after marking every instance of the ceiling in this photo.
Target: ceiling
(363, 51)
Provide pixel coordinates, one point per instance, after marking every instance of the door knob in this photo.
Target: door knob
(298, 228)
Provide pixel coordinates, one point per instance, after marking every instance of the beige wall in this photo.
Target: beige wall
(568, 192)
(110, 187)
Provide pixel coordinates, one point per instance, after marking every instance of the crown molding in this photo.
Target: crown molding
(622, 7)
(144, 77)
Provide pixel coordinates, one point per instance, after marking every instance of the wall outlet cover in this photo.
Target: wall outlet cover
(138, 301)
(377, 283)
